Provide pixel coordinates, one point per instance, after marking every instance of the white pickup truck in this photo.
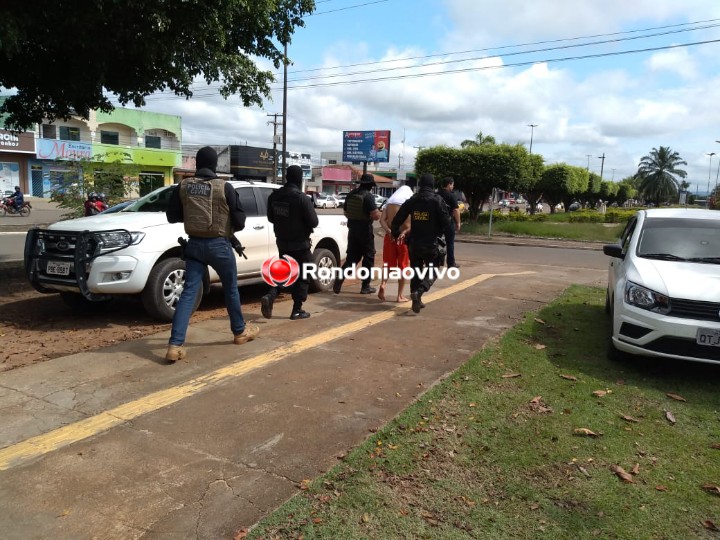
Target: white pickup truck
(135, 251)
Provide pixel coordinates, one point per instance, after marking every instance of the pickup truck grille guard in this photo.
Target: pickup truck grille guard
(76, 249)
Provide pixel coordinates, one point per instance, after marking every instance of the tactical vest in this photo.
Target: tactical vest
(354, 205)
(205, 210)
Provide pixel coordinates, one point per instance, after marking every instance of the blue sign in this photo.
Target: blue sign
(368, 146)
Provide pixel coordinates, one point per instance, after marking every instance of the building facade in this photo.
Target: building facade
(43, 160)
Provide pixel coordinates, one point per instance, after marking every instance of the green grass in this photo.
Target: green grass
(592, 232)
(484, 455)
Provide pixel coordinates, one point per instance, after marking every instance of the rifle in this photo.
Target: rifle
(237, 246)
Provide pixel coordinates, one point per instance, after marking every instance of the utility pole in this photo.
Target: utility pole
(602, 164)
(532, 130)
(588, 156)
(284, 113)
(275, 123)
(613, 174)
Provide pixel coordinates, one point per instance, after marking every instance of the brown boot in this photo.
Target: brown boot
(175, 353)
(251, 331)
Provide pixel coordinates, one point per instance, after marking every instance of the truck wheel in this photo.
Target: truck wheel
(164, 287)
(323, 258)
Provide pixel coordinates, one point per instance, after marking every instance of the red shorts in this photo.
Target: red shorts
(395, 255)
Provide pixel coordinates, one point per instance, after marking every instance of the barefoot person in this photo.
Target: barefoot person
(395, 250)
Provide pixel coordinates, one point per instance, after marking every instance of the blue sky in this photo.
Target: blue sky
(621, 106)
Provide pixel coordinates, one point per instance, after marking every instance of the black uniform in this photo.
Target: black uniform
(293, 215)
(358, 207)
(452, 204)
(429, 218)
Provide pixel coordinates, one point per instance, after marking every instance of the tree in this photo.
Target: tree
(479, 140)
(657, 173)
(561, 182)
(112, 173)
(63, 57)
(477, 169)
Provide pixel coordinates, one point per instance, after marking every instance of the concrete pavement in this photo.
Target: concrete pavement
(115, 444)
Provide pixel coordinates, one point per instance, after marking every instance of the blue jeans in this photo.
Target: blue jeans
(199, 254)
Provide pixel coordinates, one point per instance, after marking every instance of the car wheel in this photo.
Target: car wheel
(164, 287)
(607, 303)
(613, 354)
(323, 258)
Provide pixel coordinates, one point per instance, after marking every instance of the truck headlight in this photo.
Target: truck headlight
(114, 240)
(644, 298)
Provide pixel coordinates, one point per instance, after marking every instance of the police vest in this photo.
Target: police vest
(205, 210)
(354, 205)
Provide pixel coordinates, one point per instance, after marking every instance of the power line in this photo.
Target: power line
(346, 8)
(503, 47)
(516, 53)
(204, 92)
(517, 64)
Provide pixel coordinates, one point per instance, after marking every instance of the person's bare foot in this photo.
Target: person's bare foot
(381, 293)
(402, 299)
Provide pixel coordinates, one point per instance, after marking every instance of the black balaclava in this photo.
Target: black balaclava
(427, 181)
(293, 175)
(206, 159)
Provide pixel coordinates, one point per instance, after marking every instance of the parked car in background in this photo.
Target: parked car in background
(341, 198)
(380, 201)
(662, 293)
(326, 200)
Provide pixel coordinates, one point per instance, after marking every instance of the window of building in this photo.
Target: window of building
(48, 131)
(109, 137)
(152, 141)
(332, 161)
(68, 133)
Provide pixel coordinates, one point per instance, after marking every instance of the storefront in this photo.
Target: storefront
(16, 150)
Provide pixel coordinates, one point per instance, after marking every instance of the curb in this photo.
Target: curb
(533, 242)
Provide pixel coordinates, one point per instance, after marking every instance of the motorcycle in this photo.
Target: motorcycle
(8, 208)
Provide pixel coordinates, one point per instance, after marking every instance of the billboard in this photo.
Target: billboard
(368, 146)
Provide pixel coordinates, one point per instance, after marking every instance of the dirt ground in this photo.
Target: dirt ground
(36, 327)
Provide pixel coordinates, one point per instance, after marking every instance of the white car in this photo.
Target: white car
(136, 252)
(663, 293)
(325, 200)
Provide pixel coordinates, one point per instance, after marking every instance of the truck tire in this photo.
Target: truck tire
(164, 287)
(323, 258)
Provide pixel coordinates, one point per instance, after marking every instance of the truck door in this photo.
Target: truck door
(255, 237)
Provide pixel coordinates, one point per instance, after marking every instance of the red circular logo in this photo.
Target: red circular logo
(280, 271)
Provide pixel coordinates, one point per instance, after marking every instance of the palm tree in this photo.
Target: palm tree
(657, 173)
(480, 140)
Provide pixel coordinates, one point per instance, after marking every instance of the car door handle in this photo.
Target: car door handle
(258, 227)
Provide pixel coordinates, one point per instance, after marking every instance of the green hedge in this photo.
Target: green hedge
(614, 215)
(593, 216)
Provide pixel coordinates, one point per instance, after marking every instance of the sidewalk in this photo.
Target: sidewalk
(113, 443)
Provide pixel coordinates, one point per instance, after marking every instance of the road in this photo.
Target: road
(115, 444)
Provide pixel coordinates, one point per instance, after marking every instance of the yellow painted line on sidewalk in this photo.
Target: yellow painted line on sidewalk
(20, 453)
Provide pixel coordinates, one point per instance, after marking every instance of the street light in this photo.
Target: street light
(707, 197)
(718, 173)
(532, 130)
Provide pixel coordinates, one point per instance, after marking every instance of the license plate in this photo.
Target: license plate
(58, 268)
(708, 336)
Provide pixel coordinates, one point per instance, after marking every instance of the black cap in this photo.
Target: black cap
(367, 179)
(206, 158)
(427, 180)
(293, 175)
